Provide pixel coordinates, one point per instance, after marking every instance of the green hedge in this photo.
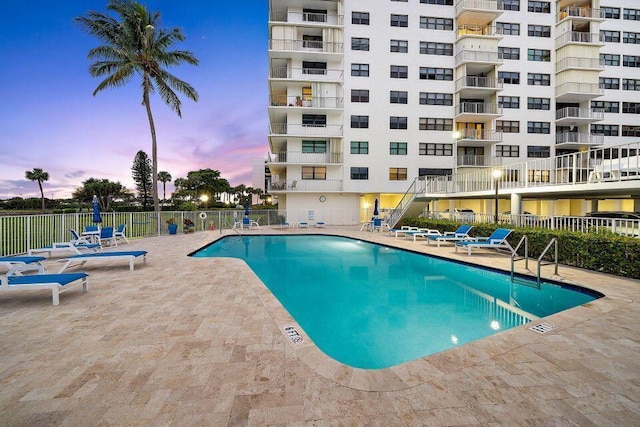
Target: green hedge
(604, 251)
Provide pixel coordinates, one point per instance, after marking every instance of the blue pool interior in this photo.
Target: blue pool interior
(372, 306)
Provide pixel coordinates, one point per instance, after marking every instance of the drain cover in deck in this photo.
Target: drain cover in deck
(543, 328)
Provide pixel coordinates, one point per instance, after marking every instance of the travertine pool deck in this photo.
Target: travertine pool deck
(199, 341)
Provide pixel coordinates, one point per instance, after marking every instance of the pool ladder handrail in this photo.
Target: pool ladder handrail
(541, 262)
(515, 257)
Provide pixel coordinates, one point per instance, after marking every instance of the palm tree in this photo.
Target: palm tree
(164, 177)
(135, 45)
(39, 175)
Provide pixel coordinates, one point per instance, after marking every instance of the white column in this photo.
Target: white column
(516, 204)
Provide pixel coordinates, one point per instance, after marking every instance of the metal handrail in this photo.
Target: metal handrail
(554, 242)
(402, 206)
(514, 255)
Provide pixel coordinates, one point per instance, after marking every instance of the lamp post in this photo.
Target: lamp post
(204, 198)
(497, 173)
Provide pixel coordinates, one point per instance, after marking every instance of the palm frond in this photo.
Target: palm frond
(119, 78)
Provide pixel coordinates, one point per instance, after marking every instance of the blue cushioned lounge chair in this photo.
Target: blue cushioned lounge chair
(23, 263)
(58, 283)
(82, 259)
(76, 245)
(462, 233)
(497, 240)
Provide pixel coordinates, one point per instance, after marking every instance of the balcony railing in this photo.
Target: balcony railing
(579, 138)
(478, 82)
(573, 62)
(579, 88)
(580, 113)
(580, 12)
(308, 158)
(306, 45)
(483, 5)
(478, 108)
(305, 130)
(478, 134)
(578, 37)
(478, 56)
(307, 185)
(478, 30)
(315, 102)
(475, 160)
(309, 74)
(307, 17)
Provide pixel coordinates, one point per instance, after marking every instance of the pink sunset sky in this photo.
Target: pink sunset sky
(49, 118)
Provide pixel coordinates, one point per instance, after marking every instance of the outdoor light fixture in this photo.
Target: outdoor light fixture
(497, 173)
(204, 198)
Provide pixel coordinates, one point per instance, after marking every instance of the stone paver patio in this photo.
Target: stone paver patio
(199, 341)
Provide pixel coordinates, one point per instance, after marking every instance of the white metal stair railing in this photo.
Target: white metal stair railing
(417, 187)
(553, 242)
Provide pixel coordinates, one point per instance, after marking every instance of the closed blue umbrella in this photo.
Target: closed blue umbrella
(246, 208)
(96, 210)
(375, 208)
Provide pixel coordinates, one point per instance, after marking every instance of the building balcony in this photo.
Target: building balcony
(477, 111)
(479, 11)
(574, 63)
(306, 74)
(298, 157)
(578, 92)
(574, 116)
(477, 137)
(575, 140)
(306, 185)
(580, 13)
(471, 86)
(476, 160)
(305, 46)
(577, 37)
(315, 102)
(330, 19)
(293, 129)
(475, 56)
(475, 30)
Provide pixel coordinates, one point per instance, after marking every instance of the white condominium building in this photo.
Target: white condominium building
(366, 95)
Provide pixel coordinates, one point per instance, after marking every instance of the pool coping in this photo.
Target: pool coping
(424, 369)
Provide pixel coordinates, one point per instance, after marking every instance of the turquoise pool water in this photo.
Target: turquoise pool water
(372, 306)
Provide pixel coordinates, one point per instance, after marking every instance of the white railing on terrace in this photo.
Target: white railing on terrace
(581, 113)
(300, 157)
(578, 37)
(310, 74)
(579, 88)
(476, 160)
(478, 56)
(581, 12)
(306, 45)
(478, 30)
(416, 187)
(484, 134)
(478, 82)
(305, 130)
(478, 108)
(314, 102)
(581, 138)
(305, 185)
(486, 5)
(307, 17)
(573, 62)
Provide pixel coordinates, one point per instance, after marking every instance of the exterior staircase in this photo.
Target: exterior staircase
(410, 204)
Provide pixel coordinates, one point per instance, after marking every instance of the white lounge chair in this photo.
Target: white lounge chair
(22, 263)
(119, 234)
(82, 259)
(58, 283)
(60, 247)
(403, 230)
(497, 240)
(462, 233)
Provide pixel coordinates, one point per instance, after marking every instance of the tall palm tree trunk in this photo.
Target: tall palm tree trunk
(41, 194)
(154, 145)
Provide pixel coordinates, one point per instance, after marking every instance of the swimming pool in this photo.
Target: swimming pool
(372, 306)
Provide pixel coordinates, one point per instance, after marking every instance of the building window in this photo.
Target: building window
(509, 52)
(509, 101)
(538, 103)
(427, 98)
(399, 72)
(630, 84)
(538, 151)
(429, 73)
(539, 127)
(360, 70)
(398, 97)
(539, 55)
(359, 147)
(509, 5)
(539, 6)
(508, 28)
(359, 43)
(607, 106)
(359, 173)
(397, 174)
(438, 2)
(631, 14)
(360, 18)
(399, 20)
(434, 48)
(507, 126)
(431, 23)
(397, 122)
(610, 36)
(630, 130)
(630, 107)
(539, 176)
(610, 59)
(314, 146)
(428, 123)
(631, 38)
(314, 120)
(434, 172)
(400, 1)
(630, 61)
(359, 95)
(400, 46)
(314, 172)
(611, 12)
(606, 130)
(507, 151)
(509, 77)
(539, 31)
(398, 148)
(609, 83)
(538, 79)
(430, 149)
(359, 122)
